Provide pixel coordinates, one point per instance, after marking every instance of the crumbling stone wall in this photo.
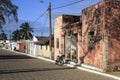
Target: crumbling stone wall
(112, 22)
(99, 39)
(70, 19)
(101, 34)
(92, 29)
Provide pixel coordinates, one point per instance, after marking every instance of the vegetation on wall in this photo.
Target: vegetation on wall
(113, 19)
(94, 22)
(71, 19)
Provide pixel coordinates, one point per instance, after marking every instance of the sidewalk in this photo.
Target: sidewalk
(115, 75)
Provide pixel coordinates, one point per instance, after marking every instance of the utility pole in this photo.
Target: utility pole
(50, 26)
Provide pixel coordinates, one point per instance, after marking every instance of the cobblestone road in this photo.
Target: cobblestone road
(15, 66)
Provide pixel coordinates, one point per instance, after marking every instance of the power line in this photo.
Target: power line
(39, 17)
(68, 4)
(65, 2)
(42, 29)
(46, 18)
(56, 8)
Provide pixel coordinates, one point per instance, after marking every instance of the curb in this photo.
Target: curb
(96, 72)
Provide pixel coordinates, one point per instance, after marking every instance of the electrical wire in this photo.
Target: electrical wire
(67, 5)
(39, 17)
(56, 8)
(46, 19)
(43, 26)
(64, 2)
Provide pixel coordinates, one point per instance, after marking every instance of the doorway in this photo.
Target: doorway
(71, 47)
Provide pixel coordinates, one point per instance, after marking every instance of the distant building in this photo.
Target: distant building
(44, 48)
(21, 45)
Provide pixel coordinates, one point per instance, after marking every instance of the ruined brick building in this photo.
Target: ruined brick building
(92, 38)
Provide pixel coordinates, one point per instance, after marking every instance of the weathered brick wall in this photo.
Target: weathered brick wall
(57, 35)
(103, 22)
(72, 28)
(112, 22)
(92, 23)
(63, 25)
(99, 40)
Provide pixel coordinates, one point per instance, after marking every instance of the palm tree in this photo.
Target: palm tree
(26, 31)
(16, 35)
(7, 9)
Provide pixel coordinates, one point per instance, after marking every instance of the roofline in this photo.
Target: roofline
(92, 5)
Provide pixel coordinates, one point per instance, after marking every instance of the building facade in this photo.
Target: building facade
(66, 33)
(100, 34)
(93, 38)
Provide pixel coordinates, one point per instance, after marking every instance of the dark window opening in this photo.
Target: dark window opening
(46, 47)
(91, 41)
(57, 43)
(24, 47)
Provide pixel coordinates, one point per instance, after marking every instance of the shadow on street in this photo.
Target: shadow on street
(15, 57)
(32, 70)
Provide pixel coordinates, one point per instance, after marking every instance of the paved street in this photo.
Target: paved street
(15, 66)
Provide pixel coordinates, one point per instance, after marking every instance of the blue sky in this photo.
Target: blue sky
(30, 10)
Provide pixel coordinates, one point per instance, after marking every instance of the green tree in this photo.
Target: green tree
(16, 35)
(3, 36)
(7, 10)
(26, 31)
